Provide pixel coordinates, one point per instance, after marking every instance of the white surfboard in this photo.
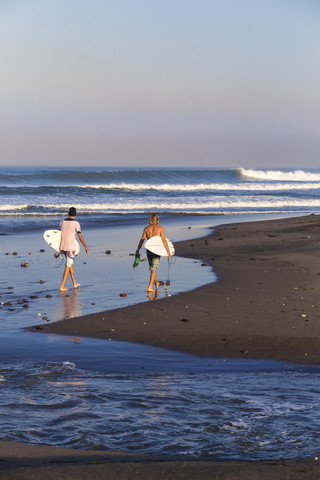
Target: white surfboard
(155, 245)
(53, 238)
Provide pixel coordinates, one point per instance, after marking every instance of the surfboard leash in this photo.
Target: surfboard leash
(171, 261)
(57, 260)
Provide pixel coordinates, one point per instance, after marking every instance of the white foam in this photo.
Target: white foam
(166, 187)
(296, 175)
(69, 365)
(295, 179)
(212, 202)
(12, 206)
(223, 202)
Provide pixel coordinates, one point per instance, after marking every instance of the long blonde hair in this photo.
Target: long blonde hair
(154, 219)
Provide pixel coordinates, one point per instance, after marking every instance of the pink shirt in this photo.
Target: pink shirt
(69, 228)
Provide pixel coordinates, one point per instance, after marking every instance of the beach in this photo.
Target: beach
(264, 305)
(27, 462)
(202, 116)
(216, 378)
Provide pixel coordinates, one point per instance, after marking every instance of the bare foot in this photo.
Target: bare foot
(76, 285)
(151, 290)
(63, 289)
(157, 285)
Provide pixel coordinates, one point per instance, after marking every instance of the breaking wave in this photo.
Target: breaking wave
(296, 175)
(32, 196)
(193, 205)
(166, 187)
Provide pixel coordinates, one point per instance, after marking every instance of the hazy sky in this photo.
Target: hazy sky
(160, 82)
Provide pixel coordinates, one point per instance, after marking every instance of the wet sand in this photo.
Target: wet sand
(265, 305)
(27, 462)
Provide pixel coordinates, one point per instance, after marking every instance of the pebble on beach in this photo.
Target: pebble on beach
(25, 265)
(108, 252)
(123, 294)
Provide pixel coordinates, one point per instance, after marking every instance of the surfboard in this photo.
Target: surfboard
(53, 237)
(155, 245)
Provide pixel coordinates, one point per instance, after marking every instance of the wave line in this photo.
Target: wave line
(296, 175)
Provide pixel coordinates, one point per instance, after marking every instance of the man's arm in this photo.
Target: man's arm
(83, 242)
(142, 239)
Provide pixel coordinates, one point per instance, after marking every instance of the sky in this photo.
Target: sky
(212, 83)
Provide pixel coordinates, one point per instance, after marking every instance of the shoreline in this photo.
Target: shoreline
(264, 304)
(21, 461)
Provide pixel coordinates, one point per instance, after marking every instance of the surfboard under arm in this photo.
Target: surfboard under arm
(53, 238)
(155, 245)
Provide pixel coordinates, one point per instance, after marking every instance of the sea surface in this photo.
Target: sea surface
(87, 393)
(35, 196)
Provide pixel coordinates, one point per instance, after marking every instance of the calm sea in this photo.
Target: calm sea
(102, 394)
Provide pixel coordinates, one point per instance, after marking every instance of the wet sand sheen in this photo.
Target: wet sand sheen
(264, 305)
(28, 462)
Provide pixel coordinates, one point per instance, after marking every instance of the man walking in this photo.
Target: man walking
(151, 230)
(69, 227)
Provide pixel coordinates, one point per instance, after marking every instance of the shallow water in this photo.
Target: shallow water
(114, 396)
(103, 277)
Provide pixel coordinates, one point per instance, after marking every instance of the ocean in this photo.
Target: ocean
(33, 197)
(87, 393)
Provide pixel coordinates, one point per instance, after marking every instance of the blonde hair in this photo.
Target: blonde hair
(154, 219)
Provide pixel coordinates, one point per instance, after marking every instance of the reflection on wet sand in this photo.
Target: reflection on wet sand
(70, 305)
(153, 295)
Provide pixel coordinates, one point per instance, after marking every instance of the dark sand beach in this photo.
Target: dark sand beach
(26, 462)
(265, 305)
